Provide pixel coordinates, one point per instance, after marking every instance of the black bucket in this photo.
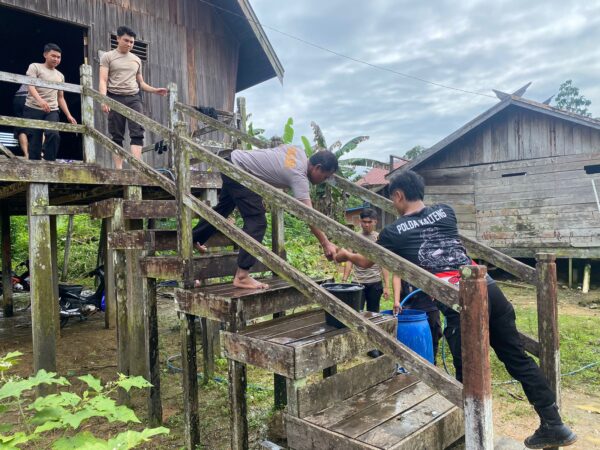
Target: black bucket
(349, 293)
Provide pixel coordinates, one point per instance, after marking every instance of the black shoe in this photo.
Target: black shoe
(374, 353)
(552, 431)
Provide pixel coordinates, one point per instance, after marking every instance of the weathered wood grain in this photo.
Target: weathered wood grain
(32, 81)
(43, 301)
(87, 114)
(317, 396)
(7, 290)
(65, 210)
(41, 124)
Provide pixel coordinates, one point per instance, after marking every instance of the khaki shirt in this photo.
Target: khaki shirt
(122, 72)
(38, 70)
(373, 273)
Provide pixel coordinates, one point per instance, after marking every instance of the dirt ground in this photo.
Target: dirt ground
(87, 347)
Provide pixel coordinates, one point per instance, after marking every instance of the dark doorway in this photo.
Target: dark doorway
(24, 35)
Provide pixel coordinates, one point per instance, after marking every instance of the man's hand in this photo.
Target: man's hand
(44, 105)
(397, 308)
(105, 108)
(386, 293)
(329, 250)
(161, 91)
(72, 120)
(342, 255)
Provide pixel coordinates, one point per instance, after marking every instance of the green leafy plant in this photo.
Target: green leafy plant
(569, 99)
(55, 420)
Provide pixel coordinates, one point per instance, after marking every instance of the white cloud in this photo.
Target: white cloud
(474, 45)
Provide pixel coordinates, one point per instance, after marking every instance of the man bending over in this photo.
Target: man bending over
(283, 167)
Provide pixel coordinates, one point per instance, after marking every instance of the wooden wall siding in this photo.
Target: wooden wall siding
(552, 206)
(454, 187)
(175, 30)
(516, 134)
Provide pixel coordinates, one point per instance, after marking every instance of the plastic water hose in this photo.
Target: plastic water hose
(416, 291)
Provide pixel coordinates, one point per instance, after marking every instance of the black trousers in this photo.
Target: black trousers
(18, 107)
(372, 296)
(35, 136)
(116, 122)
(505, 341)
(251, 207)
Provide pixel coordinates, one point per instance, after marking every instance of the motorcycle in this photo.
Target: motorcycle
(20, 283)
(73, 302)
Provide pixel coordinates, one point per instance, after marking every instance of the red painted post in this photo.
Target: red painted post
(477, 386)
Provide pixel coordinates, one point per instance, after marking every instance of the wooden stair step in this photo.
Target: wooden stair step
(156, 240)
(209, 265)
(399, 413)
(224, 302)
(297, 345)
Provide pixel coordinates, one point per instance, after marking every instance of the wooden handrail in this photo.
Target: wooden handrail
(41, 124)
(482, 251)
(31, 81)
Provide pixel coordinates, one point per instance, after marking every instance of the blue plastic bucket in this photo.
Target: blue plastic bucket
(413, 331)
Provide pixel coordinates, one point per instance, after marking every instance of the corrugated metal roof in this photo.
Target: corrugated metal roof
(376, 176)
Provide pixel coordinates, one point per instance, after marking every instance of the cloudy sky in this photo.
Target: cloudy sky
(468, 44)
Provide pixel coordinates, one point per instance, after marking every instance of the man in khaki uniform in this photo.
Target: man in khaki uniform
(121, 79)
(43, 104)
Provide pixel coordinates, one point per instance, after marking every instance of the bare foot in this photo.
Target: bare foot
(201, 248)
(249, 283)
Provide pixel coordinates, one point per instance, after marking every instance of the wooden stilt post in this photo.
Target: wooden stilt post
(65, 270)
(152, 345)
(477, 379)
(278, 247)
(54, 254)
(110, 312)
(587, 273)
(208, 350)
(237, 398)
(136, 333)
(7, 291)
(186, 249)
(547, 306)
(570, 273)
(43, 302)
(87, 114)
(120, 279)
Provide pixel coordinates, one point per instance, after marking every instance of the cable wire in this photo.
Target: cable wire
(351, 58)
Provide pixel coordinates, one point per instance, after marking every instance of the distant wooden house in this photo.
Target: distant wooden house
(376, 181)
(520, 179)
(210, 49)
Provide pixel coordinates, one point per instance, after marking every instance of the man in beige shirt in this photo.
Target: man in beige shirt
(371, 277)
(121, 79)
(43, 104)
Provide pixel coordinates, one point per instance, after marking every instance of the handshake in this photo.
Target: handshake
(334, 253)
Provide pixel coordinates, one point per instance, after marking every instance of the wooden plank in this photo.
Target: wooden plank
(158, 240)
(54, 255)
(237, 396)
(41, 124)
(63, 210)
(204, 266)
(317, 396)
(344, 410)
(149, 209)
(12, 189)
(67, 251)
(444, 432)
(407, 426)
(43, 301)
(32, 81)
(304, 436)
(6, 152)
(7, 290)
(450, 387)
(120, 278)
(384, 410)
(189, 376)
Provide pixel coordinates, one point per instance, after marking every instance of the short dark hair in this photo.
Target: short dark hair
(410, 183)
(325, 159)
(50, 47)
(368, 213)
(125, 30)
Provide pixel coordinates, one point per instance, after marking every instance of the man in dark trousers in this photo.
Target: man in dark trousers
(428, 237)
(285, 167)
(43, 104)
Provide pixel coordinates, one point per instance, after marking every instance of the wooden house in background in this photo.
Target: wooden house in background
(520, 179)
(211, 49)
